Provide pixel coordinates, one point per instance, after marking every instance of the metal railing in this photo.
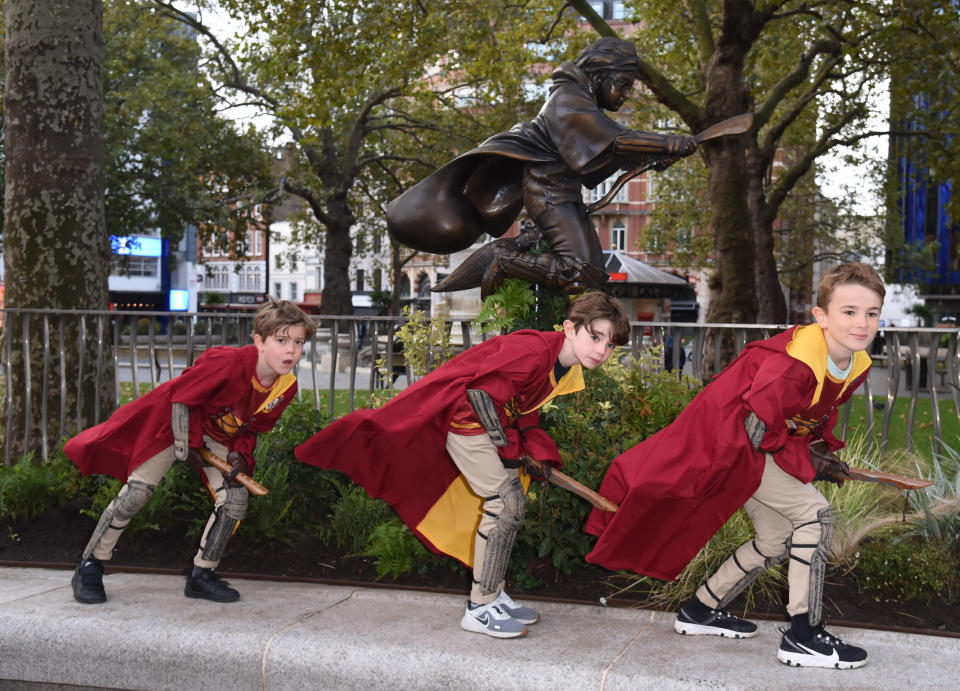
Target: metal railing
(352, 354)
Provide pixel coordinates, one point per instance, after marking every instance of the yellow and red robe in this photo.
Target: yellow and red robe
(398, 452)
(677, 488)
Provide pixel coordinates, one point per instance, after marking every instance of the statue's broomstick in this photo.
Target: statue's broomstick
(735, 125)
(212, 459)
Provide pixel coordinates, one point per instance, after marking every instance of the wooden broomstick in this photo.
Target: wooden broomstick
(559, 479)
(212, 459)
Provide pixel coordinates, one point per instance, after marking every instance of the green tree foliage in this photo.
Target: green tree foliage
(172, 160)
(373, 95)
(807, 71)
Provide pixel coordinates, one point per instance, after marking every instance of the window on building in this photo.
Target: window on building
(219, 277)
(618, 236)
(405, 286)
(377, 243)
(277, 290)
(251, 278)
(294, 291)
(257, 243)
(608, 9)
(279, 262)
(136, 266)
(359, 279)
(378, 279)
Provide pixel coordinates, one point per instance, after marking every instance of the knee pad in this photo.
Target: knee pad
(132, 497)
(749, 575)
(236, 502)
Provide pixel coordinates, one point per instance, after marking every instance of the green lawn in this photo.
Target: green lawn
(922, 424)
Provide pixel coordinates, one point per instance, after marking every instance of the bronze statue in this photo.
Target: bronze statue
(539, 166)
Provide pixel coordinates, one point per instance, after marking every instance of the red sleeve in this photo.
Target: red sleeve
(781, 388)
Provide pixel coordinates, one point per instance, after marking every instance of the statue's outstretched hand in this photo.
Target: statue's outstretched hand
(681, 145)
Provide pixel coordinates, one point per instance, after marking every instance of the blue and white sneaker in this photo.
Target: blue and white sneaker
(524, 615)
(492, 620)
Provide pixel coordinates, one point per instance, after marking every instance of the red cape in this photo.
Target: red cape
(139, 430)
(677, 488)
(398, 452)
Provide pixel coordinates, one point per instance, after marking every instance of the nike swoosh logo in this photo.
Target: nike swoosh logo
(833, 658)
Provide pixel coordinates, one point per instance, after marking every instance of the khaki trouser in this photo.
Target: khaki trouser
(480, 465)
(791, 519)
(150, 472)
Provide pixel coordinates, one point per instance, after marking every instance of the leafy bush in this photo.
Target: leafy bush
(897, 570)
(426, 343)
(395, 548)
(354, 518)
(29, 489)
(180, 496)
(301, 495)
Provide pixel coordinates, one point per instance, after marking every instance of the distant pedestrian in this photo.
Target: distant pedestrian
(228, 397)
(754, 437)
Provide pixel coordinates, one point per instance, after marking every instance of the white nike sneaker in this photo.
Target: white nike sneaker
(492, 620)
(523, 614)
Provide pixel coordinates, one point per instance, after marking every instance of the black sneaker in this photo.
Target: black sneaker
(207, 585)
(822, 649)
(716, 623)
(87, 582)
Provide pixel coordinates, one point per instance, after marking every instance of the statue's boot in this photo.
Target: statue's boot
(551, 270)
(470, 273)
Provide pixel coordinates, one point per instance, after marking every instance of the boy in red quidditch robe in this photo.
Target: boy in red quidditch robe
(445, 452)
(222, 402)
(754, 437)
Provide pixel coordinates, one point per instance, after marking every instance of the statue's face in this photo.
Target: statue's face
(614, 89)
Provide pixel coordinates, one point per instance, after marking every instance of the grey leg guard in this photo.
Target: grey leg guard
(818, 561)
(501, 536)
(117, 515)
(226, 518)
(751, 562)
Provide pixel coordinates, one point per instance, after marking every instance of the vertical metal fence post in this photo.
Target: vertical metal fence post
(27, 413)
(45, 388)
(134, 362)
(81, 363)
(96, 393)
(62, 348)
(8, 321)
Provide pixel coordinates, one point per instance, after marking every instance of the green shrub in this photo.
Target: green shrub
(355, 516)
(300, 495)
(30, 489)
(395, 548)
(179, 497)
(897, 570)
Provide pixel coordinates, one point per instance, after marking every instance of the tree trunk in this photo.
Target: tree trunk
(337, 296)
(56, 253)
(732, 288)
(771, 306)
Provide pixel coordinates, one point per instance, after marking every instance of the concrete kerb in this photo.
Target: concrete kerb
(304, 636)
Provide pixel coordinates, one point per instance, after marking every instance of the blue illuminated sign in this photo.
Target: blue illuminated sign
(136, 245)
(179, 300)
